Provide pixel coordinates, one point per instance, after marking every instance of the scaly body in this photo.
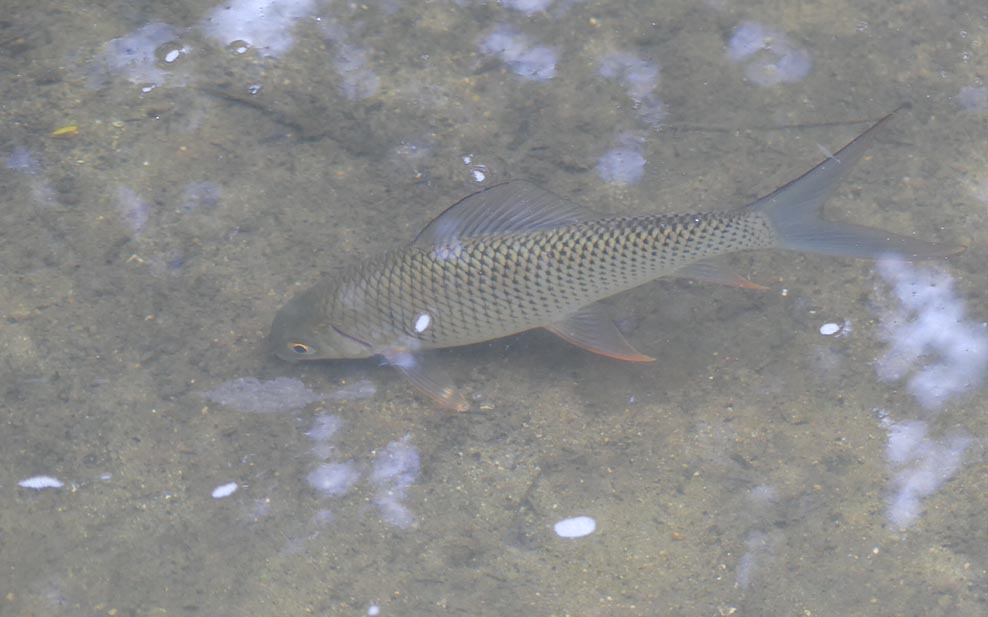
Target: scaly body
(480, 288)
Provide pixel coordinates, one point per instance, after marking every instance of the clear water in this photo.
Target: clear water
(227, 155)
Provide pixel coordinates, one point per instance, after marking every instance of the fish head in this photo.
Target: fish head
(302, 331)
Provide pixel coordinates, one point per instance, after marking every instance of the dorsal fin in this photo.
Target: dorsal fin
(512, 206)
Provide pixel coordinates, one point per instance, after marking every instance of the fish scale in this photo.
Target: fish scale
(515, 257)
(498, 285)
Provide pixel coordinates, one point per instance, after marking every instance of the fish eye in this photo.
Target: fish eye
(300, 348)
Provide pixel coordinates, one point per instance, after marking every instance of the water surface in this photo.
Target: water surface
(212, 159)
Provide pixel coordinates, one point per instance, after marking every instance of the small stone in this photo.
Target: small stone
(575, 527)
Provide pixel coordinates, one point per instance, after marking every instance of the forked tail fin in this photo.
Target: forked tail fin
(795, 211)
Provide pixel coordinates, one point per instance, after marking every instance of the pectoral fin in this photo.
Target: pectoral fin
(593, 330)
(429, 380)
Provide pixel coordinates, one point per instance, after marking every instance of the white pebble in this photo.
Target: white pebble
(576, 527)
(173, 55)
(373, 610)
(40, 482)
(422, 322)
(225, 490)
(829, 329)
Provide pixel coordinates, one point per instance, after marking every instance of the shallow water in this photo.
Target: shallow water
(215, 159)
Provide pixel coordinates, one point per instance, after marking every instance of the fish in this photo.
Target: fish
(515, 257)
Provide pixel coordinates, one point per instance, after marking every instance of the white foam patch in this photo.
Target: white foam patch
(759, 547)
(264, 24)
(527, 7)
(623, 164)
(921, 466)
(973, 98)
(334, 479)
(280, 394)
(763, 494)
(639, 78)
(931, 341)
(324, 427)
(768, 55)
(395, 468)
(134, 210)
(134, 56)
(272, 396)
(789, 67)
(205, 194)
(748, 39)
(530, 61)
(358, 79)
(979, 188)
(24, 161)
(353, 391)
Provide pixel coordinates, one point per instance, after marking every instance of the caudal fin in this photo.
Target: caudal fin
(795, 211)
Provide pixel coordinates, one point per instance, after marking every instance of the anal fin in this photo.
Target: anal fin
(429, 380)
(591, 329)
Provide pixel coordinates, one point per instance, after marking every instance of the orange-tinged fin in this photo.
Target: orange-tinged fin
(710, 272)
(512, 206)
(594, 331)
(430, 381)
(795, 211)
